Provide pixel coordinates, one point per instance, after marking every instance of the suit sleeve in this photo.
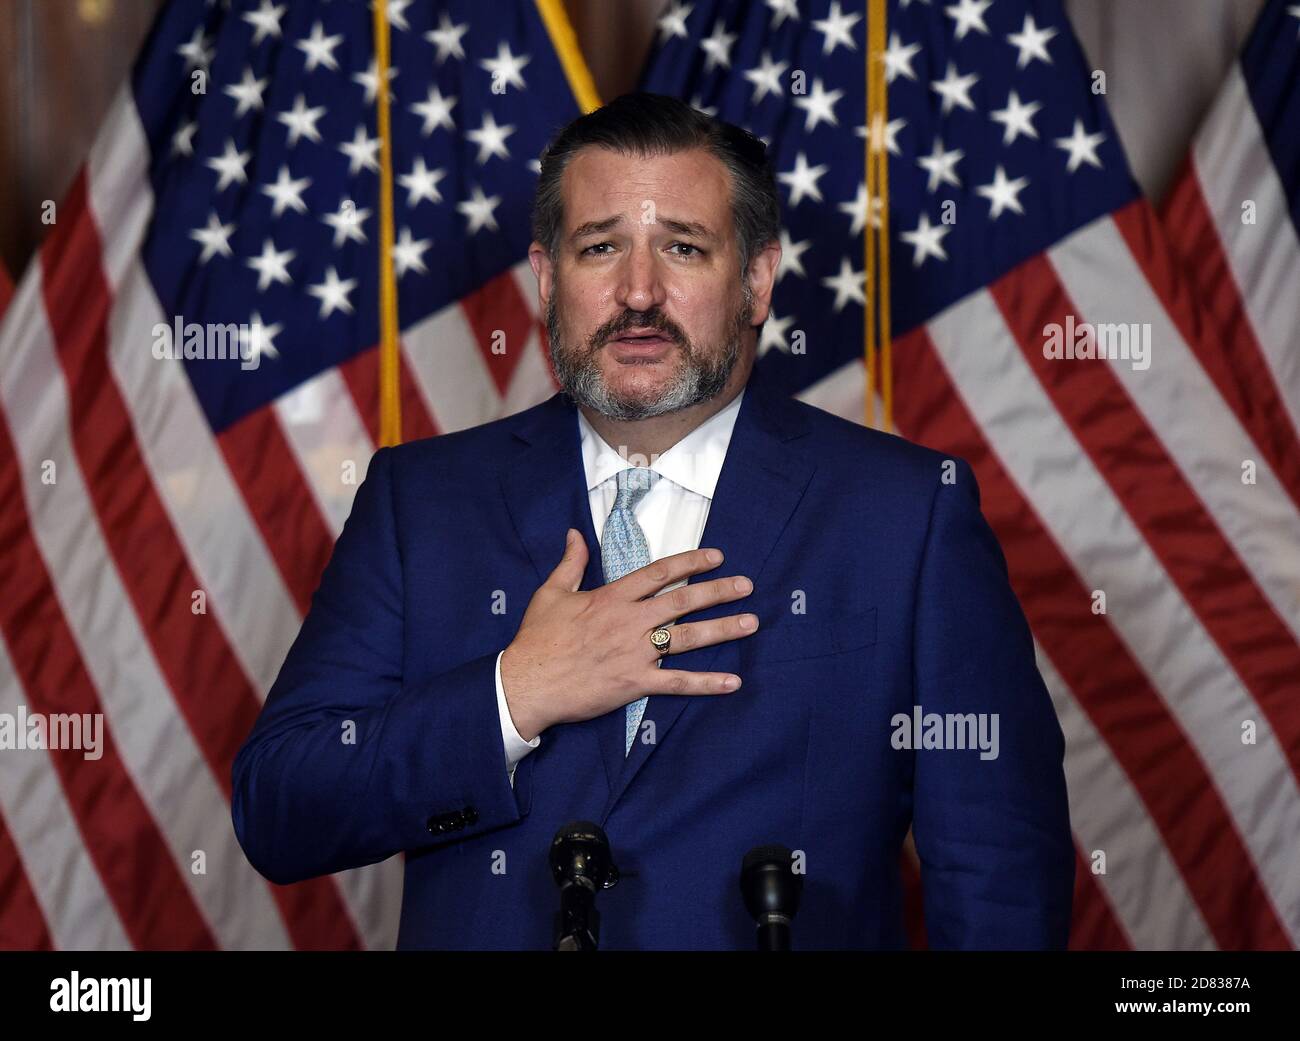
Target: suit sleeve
(992, 832)
(349, 763)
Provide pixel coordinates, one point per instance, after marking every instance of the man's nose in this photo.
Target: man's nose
(640, 282)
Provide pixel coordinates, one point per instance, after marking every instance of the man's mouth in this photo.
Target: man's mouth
(642, 338)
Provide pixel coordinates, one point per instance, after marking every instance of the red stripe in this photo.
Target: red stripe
(286, 514)
(1188, 269)
(205, 677)
(1093, 923)
(1171, 516)
(140, 876)
(500, 318)
(1110, 686)
(6, 291)
(22, 923)
(361, 376)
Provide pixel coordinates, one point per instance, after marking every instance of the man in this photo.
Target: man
(530, 623)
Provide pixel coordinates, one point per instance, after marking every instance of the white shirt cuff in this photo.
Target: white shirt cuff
(516, 747)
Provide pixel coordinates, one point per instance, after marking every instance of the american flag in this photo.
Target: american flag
(163, 522)
(1149, 512)
(176, 478)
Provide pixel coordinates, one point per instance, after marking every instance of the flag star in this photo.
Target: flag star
(783, 9)
(888, 132)
(436, 111)
(505, 68)
(265, 21)
(1017, 118)
(247, 92)
(395, 12)
(941, 166)
(717, 48)
(848, 285)
(791, 251)
(319, 49)
(183, 139)
(333, 293)
(673, 22)
(898, 58)
(968, 14)
(1031, 41)
(447, 38)
(370, 80)
(820, 106)
(214, 239)
(286, 193)
(773, 334)
(361, 152)
(479, 211)
(197, 51)
(803, 180)
(857, 209)
(837, 28)
(257, 339)
(230, 165)
(926, 240)
(408, 253)
(491, 139)
(301, 121)
(955, 89)
(347, 223)
(1082, 147)
(535, 165)
(421, 183)
(766, 78)
(271, 266)
(1002, 193)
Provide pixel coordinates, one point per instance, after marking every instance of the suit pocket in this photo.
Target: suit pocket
(795, 639)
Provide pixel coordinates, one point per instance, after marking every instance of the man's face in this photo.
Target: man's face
(645, 306)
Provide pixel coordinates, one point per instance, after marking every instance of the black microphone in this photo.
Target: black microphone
(581, 864)
(771, 890)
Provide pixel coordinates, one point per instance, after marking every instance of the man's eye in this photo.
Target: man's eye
(686, 245)
(596, 246)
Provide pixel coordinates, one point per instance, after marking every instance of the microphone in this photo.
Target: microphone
(581, 864)
(771, 890)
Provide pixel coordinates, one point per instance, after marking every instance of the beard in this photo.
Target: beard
(700, 375)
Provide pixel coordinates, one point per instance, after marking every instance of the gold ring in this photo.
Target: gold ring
(661, 638)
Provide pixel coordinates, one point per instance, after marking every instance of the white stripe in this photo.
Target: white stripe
(1143, 884)
(67, 885)
(1182, 406)
(156, 744)
(842, 393)
(329, 440)
(1081, 513)
(1233, 166)
(449, 371)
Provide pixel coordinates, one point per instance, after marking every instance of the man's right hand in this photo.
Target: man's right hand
(578, 654)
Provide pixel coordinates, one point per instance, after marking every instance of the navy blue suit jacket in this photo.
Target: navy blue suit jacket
(905, 601)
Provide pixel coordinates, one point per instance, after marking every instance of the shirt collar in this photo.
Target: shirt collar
(694, 463)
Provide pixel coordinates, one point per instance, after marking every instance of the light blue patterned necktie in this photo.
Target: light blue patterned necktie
(623, 549)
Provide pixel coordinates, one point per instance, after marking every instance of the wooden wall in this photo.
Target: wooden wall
(62, 62)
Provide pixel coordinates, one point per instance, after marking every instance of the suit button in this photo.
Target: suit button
(444, 823)
(470, 814)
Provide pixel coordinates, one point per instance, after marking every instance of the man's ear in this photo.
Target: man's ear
(762, 280)
(542, 269)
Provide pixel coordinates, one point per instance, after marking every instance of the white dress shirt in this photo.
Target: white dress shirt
(672, 514)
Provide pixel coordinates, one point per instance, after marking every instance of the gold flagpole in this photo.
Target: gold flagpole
(390, 401)
(876, 313)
